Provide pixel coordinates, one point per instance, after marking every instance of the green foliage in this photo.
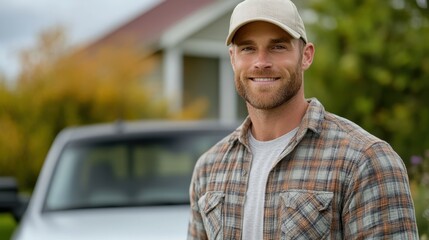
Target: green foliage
(419, 169)
(372, 66)
(60, 87)
(420, 198)
(7, 225)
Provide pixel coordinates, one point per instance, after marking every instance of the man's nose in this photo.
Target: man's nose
(263, 60)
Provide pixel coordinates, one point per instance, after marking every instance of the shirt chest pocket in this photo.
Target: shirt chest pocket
(210, 205)
(306, 214)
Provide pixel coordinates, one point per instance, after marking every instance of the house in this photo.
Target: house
(187, 37)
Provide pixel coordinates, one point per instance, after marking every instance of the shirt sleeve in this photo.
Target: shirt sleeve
(378, 202)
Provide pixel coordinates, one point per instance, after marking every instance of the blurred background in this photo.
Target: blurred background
(68, 63)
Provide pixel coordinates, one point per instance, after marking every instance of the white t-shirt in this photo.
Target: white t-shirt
(265, 154)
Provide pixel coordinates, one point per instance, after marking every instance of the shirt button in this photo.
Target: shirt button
(244, 173)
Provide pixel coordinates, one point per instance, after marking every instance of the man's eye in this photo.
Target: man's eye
(279, 47)
(247, 49)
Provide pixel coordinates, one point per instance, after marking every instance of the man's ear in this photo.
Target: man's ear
(308, 56)
(231, 57)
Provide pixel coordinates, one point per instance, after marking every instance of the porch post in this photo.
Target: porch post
(173, 78)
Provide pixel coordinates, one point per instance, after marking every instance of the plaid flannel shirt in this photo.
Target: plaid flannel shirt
(333, 181)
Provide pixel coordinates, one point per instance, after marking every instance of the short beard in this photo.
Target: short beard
(283, 95)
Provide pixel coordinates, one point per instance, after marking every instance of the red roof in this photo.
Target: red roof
(149, 26)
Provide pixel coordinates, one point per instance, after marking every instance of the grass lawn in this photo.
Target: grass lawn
(7, 225)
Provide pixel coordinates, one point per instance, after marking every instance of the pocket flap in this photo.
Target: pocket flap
(210, 200)
(294, 198)
(324, 199)
(290, 198)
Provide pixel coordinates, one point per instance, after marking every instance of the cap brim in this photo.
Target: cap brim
(293, 33)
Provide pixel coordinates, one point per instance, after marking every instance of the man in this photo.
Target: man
(293, 170)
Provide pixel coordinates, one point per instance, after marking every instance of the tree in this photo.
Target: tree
(62, 86)
(372, 66)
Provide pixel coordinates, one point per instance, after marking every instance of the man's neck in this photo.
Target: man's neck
(273, 123)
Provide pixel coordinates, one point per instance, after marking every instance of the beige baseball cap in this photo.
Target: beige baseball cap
(282, 13)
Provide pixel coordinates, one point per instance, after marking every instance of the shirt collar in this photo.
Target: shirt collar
(312, 121)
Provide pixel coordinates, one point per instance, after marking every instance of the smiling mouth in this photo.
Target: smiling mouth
(264, 79)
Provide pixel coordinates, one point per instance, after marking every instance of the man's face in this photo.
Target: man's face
(267, 63)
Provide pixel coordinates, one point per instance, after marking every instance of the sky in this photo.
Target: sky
(21, 21)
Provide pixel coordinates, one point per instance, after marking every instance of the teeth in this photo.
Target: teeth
(263, 79)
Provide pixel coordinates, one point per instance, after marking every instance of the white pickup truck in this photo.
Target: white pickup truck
(115, 181)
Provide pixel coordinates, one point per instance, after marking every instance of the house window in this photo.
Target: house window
(201, 82)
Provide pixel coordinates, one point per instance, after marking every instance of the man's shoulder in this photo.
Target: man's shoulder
(359, 146)
(216, 152)
(334, 127)
(348, 130)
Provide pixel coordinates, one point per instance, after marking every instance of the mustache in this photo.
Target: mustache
(262, 73)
